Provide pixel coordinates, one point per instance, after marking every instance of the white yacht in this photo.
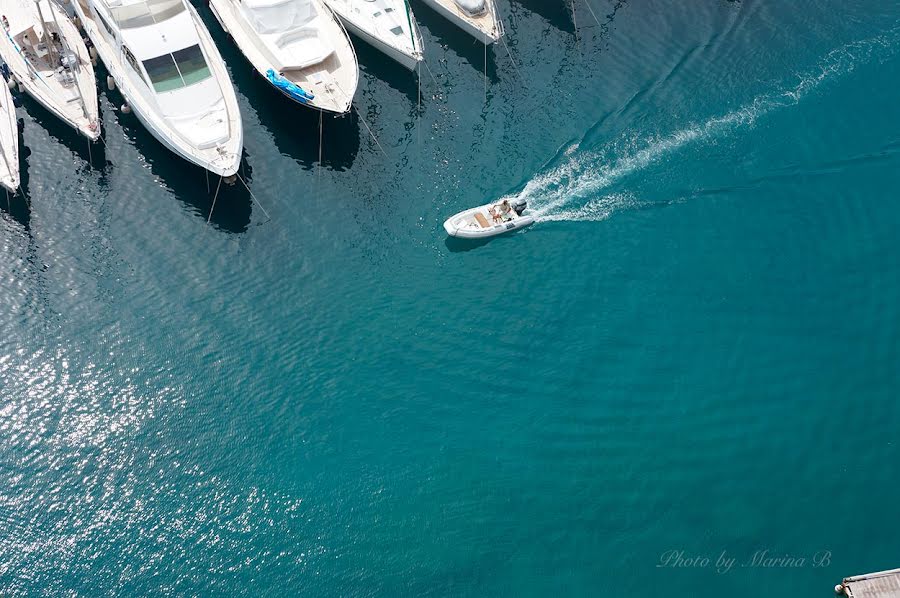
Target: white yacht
(297, 45)
(50, 62)
(478, 18)
(9, 141)
(388, 25)
(160, 55)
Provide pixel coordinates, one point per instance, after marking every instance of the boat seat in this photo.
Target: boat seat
(299, 49)
(479, 217)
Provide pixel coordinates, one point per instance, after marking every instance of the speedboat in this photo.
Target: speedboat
(161, 57)
(50, 62)
(388, 25)
(299, 46)
(478, 18)
(9, 141)
(488, 220)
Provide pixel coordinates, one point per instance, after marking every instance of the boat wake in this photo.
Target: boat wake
(558, 194)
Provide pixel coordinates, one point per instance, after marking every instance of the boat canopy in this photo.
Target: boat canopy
(472, 7)
(276, 16)
(146, 13)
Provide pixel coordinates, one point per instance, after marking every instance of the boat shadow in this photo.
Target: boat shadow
(295, 129)
(194, 186)
(460, 245)
(377, 64)
(228, 207)
(461, 43)
(92, 153)
(557, 14)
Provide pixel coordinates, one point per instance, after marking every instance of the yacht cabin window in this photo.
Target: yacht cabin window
(176, 70)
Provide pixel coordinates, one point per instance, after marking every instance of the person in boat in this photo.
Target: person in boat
(501, 210)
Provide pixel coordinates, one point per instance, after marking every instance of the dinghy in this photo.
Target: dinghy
(9, 141)
(478, 18)
(489, 220)
(299, 46)
(163, 60)
(50, 62)
(387, 25)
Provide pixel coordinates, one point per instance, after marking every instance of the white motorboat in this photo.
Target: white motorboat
(9, 141)
(50, 62)
(478, 18)
(489, 220)
(299, 46)
(161, 57)
(387, 25)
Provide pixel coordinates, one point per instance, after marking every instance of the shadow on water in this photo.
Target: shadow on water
(93, 154)
(294, 128)
(186, 181)
(558, 14)
(457, 245)
(375, 63)
(18, 205)
(191, 184)
(464, 45)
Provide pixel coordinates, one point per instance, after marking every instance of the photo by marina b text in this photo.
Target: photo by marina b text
(723, 561)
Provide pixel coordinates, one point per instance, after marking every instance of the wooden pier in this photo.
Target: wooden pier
(884, 584)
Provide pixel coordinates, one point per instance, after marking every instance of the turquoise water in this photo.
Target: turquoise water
(695, 349)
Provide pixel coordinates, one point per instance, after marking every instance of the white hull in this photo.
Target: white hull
(479, 223)
(486, 27)
(332, 80)
(9, 141)
(34, 61)
(363, 28)
(223, 159)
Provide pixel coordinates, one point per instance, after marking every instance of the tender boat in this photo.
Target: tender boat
(299, 46)
(160, 55)
(478, 18)
(388, 25)
(488, 220)
(49, 60)
(9, 141)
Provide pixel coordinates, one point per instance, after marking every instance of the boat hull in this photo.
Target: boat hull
(40, 84)
(485, 37)
(232, 23)
(225, 166)
(409, 61)
(9, 141)
(457, 225)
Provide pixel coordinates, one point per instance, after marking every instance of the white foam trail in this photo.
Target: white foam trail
(582, 175)
(593, 211)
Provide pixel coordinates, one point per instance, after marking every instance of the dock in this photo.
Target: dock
(883, 584)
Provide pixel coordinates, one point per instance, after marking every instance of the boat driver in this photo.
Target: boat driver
(501, 210)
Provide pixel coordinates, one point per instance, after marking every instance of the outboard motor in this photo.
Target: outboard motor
(519, 206)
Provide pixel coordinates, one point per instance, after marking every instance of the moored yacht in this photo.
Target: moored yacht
(478, 18)
(299, 46)
(160, 55)
(9, 141)
(387, 25)
(49, 60)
